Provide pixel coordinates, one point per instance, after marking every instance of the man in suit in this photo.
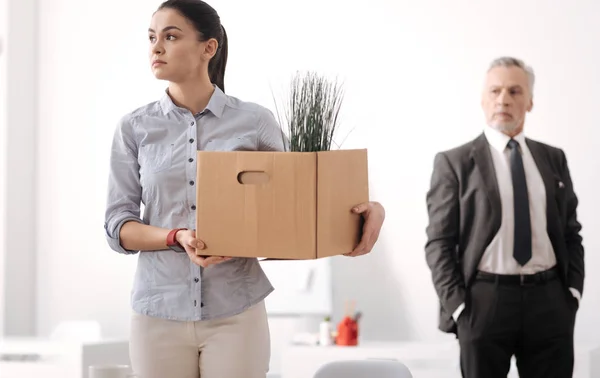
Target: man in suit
(503, 242)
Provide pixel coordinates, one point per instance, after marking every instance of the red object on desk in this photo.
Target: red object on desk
(347, 332)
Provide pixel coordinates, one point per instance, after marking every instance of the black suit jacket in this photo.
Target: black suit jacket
(465, 214)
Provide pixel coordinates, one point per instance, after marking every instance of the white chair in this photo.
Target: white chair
(371, 368)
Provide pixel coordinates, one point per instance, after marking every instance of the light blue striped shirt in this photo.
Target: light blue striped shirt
(153, 162)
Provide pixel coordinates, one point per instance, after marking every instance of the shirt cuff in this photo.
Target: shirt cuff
(458, 311)
(576, 294)
(114, 238)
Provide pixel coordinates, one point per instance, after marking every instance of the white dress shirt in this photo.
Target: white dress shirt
(498, 256)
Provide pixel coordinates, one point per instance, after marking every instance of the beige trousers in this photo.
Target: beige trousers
(234, 347)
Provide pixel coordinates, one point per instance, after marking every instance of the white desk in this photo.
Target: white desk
(33, 357)
(424, 359)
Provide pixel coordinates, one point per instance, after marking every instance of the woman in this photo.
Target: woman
(192, 316)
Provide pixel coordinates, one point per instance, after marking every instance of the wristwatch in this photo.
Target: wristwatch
(172, 241)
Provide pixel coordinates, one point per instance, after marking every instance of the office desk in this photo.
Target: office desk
(33, 357)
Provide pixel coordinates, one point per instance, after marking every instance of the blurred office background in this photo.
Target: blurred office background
(412, 71)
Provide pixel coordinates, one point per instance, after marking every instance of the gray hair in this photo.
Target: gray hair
(507, 61)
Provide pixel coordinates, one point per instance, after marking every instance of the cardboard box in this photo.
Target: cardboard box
(280, 205)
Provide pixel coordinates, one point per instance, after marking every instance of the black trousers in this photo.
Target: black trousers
(533, 322)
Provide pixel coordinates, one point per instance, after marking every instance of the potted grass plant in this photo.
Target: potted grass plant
(311, 112)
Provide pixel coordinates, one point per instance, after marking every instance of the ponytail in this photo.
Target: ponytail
(216, 66)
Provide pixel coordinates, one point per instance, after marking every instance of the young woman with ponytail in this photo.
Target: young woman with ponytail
(192, 316)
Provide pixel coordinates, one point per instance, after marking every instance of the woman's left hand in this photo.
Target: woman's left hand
(374, 215)
(187, 239)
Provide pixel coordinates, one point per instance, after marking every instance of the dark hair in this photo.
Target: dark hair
(208, 24)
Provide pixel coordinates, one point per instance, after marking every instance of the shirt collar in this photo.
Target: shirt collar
(499, 140)
(216, 104)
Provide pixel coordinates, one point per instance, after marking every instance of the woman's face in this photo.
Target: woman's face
(176, 54)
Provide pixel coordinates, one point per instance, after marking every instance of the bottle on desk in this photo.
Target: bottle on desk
(325, 332)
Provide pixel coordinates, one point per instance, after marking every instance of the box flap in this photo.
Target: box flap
(342, 183)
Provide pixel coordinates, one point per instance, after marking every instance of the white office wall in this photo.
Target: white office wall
(413, 73)
(3, 10)
(92, 69)
(20, 151)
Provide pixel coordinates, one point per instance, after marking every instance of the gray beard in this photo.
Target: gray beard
(510, 127)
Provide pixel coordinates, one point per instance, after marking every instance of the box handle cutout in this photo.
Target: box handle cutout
(253, 177)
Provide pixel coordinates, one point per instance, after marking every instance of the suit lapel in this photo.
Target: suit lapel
(483, 159)
(550, 181)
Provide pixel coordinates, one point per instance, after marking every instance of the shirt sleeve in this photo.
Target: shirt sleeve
(124, 188)
(270, 135)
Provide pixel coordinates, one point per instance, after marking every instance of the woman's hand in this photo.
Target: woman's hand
(374, 215)
(187, 238)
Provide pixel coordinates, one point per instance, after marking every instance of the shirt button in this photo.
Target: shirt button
(192, 140)
(192, 123)
(194, 302)
(193, 207)
(190, 160)
(201, 304)
(196, 279)
(191, 183)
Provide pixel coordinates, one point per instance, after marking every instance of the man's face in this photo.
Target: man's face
(506, 99)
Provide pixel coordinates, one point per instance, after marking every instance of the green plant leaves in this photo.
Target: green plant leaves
(311, 112)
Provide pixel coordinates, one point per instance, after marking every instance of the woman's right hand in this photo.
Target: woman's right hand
(187, 238)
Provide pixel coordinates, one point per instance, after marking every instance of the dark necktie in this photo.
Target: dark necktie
(522, 246)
